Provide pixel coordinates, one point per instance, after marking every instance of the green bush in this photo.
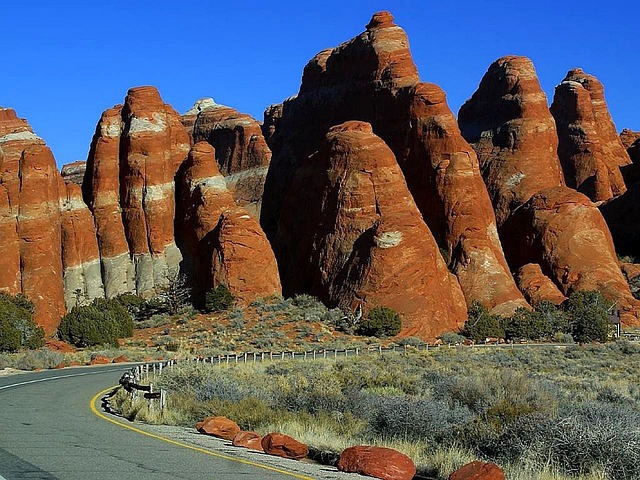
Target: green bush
(218, 299)
(17, 328)
(589, 312)
(526, 324)
(380, 322)
(481, 324)
(102, 322)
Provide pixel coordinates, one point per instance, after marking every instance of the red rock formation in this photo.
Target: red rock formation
(39, 232)
(563, 231)
(80, 254)
(225, 244)
(241, 150)
(358, 80)
(351, 234)
(101, 191)
(478, 471)
(220, 427)
(611, 144)
(147, 170)
(250, 440)
(282, 445)
(74, 172)
(15, 135)
(30, 220)
(536, 286)
(135, 154)
(10, 278)
(584, 149)
(373, 78)
(444, 171)
(378, 462)
(628, 138)
(508, 123)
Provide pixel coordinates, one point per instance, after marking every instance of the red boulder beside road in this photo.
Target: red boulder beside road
(378, 462)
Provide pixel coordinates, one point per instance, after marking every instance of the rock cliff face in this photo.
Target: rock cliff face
(540, 220)
(586, 149)
(30, 216)
(536, 286)
(611, 144)
(241, 151)
(135, 154)
(561, 230)
(364, 240)
(101, 191)
(448, 188)
(74, 172)
(223, 244)
(373, 78)
(508, 123)
(80, 254)
(10, 277)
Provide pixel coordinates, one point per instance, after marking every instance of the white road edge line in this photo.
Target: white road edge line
(55, 378)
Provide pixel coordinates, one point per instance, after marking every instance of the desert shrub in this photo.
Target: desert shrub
(218, 299)
(380, 322)
(133, 304)
(415, 419)
(589, 312)
(481, 324)
(451, 338)
(17, 328)
(102, 322)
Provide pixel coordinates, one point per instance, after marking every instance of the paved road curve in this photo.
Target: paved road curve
(48, 431)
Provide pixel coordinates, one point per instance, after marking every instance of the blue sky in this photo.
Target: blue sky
(63, 63)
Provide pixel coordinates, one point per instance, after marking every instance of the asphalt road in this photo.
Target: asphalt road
(49, 431)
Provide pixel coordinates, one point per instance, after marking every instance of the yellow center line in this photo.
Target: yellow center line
(92, 405)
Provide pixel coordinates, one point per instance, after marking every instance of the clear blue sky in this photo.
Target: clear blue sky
(64, 62)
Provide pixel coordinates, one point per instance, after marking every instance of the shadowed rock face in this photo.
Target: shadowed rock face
(241, 151)
(508, 123)
(563, 231)
(373, 78)
(30, 218)
(589, 156)
(223, 244)
(352, 234)
(129, 187)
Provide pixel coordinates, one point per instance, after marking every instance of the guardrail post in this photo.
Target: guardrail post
(324, 354)
(357, 351)
(163, 398)
(283, 355)
(335, 353)
(245, 357)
